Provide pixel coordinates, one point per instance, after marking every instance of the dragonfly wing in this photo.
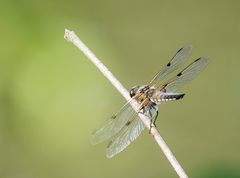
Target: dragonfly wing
(113, 125)
(128, 134)
(178, 59)
(186, 75)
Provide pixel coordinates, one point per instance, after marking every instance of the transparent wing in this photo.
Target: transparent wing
(186, 75)
(113, 125)
(178, 59)
(126, 136)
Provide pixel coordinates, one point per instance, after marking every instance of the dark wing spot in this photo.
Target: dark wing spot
(128, 123)
(169, 64)
(179, 74)
(113, 117)
(109, 144)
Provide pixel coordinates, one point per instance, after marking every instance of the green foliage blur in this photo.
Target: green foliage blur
(52, 97)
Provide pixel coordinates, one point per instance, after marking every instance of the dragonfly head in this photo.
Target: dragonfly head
(133, 91)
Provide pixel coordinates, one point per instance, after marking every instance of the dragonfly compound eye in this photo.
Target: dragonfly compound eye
(133, 91)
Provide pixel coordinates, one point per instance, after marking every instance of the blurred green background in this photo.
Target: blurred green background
(52, 97)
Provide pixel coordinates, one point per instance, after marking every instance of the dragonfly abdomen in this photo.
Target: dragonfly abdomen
(171, 97)
(163, 97)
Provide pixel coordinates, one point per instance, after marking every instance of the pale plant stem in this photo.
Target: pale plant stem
(72, 37)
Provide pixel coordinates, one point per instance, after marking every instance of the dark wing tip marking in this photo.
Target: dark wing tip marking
(186, 48)
(197, 59)
(179, 50)
(169, 64)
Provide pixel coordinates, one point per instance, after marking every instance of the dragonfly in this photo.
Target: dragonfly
(125, 126)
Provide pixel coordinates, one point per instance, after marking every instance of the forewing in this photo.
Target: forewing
(178, 59)
(127, 135)
(186, 75)
(113, 125)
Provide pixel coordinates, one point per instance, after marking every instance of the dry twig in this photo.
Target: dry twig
(72, 37)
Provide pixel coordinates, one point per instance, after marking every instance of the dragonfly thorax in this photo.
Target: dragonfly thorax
(139, 90)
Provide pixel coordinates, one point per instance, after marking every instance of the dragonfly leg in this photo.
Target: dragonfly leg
(153, 121)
